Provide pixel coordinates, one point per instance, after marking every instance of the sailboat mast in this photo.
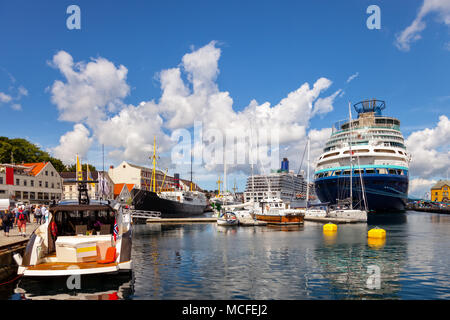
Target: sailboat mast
(154, 164)
(351, 155)
(307, 176)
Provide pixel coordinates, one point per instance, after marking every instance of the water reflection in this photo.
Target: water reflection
(206, 261)
(106, 287)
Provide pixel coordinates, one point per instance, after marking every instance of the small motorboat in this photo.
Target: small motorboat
(227, 218)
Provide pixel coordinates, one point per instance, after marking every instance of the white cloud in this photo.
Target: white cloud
(353, 76)
(419, 187)
(5, 98)
(129, 131)
(430, 150)
(22, 91)
(412, 33)
(16, 106)
(72, 143)
(90, 90)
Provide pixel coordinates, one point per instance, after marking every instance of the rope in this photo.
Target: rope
(12, 280)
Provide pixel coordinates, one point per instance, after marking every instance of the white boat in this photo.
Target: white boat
(227, 218)
(91, 237)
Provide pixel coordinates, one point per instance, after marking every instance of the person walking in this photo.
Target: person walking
(38, 215)
(21, 221)
(44, 213)
(7, 220)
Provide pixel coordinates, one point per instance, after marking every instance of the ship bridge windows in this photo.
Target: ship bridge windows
(382, 171)
(371, 171)
(357, 151)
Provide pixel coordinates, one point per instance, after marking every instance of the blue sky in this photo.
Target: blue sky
(268, 49)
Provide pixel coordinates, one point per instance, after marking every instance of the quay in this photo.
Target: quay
(183, 220)
(15, 243)
(444, 210)
(334, 220)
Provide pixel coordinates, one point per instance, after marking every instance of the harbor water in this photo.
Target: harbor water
(206, 261)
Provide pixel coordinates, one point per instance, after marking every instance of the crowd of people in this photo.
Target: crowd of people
(19, 216)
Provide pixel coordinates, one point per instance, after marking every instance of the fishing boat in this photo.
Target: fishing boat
(276, 211)
(81, 237)
(227, 218)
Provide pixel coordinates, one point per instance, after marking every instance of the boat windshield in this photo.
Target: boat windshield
(83, 222)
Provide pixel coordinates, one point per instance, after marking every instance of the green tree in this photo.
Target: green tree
(20, 150)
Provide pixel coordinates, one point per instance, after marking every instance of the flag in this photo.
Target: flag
(79, 170)
(116, 229)
(89, 176)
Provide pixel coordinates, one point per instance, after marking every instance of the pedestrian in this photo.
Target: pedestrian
(21, 220)
(44, 213)
(7, 221)
(38, 215)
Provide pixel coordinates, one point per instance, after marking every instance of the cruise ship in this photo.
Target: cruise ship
(282, 183)
(380, 160)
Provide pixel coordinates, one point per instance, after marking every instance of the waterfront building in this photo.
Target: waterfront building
(283, 184)
(440, 191)
(30, 183)
(141, 178)
(70, 187)
(122, 192)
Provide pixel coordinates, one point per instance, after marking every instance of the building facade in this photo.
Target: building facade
(30, 183)
(141, 178)
(440, 191)
(70, 187)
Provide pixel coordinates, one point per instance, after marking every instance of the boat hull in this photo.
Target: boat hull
(281, 219)
(150, 201)
(384, 193)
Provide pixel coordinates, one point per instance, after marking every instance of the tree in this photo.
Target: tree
(20, 150)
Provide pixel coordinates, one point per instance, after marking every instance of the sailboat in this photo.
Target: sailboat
(315, 211)
(344, 208)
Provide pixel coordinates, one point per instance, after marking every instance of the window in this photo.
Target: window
(24, 182)
(32, 183)
(46, 173)
(51, 173)
(53, 185)
(337, 173)
(382, 171)
(40, 183)
(392, 171)
(346, 172)
(370, 171)
(46, 184)
(1, 180)
(17, 182)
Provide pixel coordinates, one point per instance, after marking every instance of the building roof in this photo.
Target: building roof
(119, 187)
(440, 184)
(36, 167)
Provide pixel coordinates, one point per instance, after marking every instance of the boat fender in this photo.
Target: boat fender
(17, 258)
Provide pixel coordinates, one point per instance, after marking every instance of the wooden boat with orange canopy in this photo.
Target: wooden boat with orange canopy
(81, 237)
(275, 211)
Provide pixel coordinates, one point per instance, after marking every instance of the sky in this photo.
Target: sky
(136, 70)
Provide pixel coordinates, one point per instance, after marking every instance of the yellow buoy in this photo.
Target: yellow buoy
(376, 243)
(329, 227)
(376, 233)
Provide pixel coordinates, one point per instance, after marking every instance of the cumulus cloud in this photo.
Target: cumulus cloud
(412, 33)
(190, 95)
(418, 187)
(90, 89)
(429, 149)
(77, 141)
